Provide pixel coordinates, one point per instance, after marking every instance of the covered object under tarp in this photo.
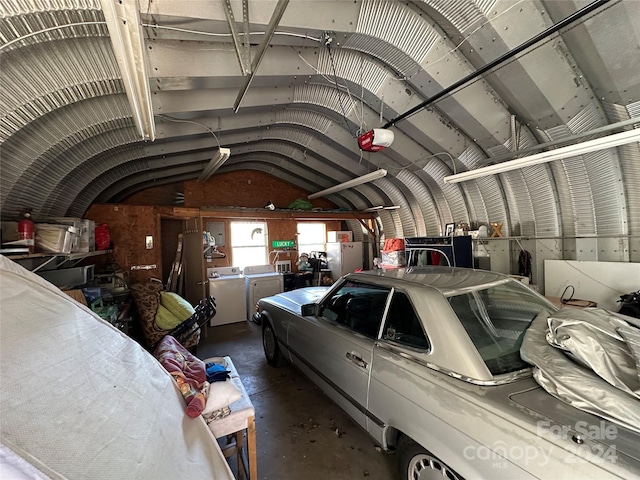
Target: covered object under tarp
(589, 359)
(81, 400)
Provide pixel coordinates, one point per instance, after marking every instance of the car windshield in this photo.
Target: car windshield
(496, 319)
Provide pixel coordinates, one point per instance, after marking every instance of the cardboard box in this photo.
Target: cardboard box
(87, 241)
(394, 259)
(339, 236)
(9, 231)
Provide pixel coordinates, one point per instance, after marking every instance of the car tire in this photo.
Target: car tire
(270, 345)
(415, 463)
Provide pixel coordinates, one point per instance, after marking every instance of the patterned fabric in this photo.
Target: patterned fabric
(217, 415)
(147, 298)
(187, 370)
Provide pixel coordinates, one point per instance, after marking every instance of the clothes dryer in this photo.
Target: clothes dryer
(261, 281)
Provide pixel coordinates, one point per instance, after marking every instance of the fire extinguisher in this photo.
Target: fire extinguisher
(26, 231)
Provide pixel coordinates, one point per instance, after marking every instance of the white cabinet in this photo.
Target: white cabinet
(343, 258)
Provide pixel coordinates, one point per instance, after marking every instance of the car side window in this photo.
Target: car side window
(357, 305)
(403, 324)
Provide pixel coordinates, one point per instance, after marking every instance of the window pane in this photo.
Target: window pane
(245, 256)
(248, 234)
(248, 241)
(358, 306)
(495, 319)
(311, 237)
(403, 325)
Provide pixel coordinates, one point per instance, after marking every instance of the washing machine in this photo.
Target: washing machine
(261, 281)
(227, 285)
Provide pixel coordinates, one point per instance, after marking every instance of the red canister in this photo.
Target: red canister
(26, 231)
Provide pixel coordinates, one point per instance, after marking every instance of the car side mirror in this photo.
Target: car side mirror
(308, 310)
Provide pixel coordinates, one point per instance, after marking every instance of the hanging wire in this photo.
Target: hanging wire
(45, 30)
(211, 34)
(513, 55)
(488, 22)
(177, 120)
(338, 85)
(335, 76)
(361, 119)
(414, 163)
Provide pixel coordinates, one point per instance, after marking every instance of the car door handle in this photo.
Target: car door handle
(357, 360)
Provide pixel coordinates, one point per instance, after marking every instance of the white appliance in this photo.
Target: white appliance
(227, 285)
(262, 281)
(343, 258)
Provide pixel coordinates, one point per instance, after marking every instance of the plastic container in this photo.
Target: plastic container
(54, 238)
(108, 313)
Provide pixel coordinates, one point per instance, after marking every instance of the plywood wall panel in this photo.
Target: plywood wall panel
(128, 226)
(277, 229)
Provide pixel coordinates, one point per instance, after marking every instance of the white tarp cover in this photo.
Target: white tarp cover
(81, 400)
(590, 359)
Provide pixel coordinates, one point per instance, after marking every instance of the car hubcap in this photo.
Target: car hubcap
(269, 342)
(426, 467)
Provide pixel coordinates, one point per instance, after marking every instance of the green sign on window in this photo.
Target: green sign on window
(283, 244)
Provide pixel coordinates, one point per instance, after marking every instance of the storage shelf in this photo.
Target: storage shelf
(67, 257)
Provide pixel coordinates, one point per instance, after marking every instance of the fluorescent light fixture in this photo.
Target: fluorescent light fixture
(221, 156)
(369, 177)
(603, 143)
(381, 207)
(123, 22)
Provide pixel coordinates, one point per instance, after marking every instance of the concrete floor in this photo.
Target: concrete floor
(301, 433)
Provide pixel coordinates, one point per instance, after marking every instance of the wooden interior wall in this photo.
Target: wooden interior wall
(130, 224)
(277, 229)
(246, 188)
(128, 227)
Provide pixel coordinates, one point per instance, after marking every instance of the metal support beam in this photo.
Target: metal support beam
(502, 59)
(262, 49)
(242, 47)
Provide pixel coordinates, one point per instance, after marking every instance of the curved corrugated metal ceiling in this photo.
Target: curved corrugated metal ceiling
(68, 138)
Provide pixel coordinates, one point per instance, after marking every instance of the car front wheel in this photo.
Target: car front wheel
(270, 345)
(415, 463)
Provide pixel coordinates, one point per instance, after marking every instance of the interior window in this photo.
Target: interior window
(403, 324)
(358, 306)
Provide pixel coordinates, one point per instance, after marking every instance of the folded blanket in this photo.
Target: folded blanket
(186, 369)
(216, 372)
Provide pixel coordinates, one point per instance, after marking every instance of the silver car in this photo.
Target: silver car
(426, 360)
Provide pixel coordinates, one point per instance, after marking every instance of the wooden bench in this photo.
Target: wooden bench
(241, 421)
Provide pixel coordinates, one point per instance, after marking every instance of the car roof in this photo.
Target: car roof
(447, 280)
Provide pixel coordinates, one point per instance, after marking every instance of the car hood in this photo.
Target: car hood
(294, 299)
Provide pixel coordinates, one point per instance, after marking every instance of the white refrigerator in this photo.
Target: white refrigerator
(343, 258)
